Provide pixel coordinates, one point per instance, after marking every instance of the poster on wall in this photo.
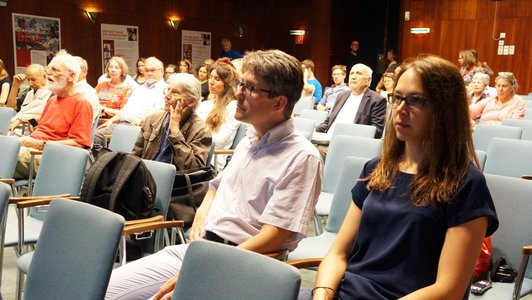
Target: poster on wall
(122, 40)
(195, 46)
(36, 39)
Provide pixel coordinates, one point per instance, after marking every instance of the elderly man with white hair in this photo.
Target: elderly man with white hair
(84, 88)
(176, 134)
(145, 98)
(66, 118)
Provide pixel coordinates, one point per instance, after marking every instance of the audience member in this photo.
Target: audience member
(114, 93)
(176, 134)
(391, 61)
(331, 92)
(388, 80)
(147, 97)
(219, 113)
(85, 89)
(361, 105)
(482, 66)
(506, 105)
(169, 70)
(468, 64)
(420, 211)
(5, 84)
(203, 77)
(264, 199)
(35, 100)
(185, 66)
(308, 65)
(227, 51)
(354, 56)
(140, 77)
(477, 87)
(66, 118)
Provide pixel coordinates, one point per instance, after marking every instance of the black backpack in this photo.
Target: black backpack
(120, 182)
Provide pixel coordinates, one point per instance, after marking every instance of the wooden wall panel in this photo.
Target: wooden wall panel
(453, 29)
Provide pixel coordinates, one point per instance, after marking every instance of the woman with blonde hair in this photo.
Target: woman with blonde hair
(114, 93)
(219, 113)
(5, 84)
(420, 211)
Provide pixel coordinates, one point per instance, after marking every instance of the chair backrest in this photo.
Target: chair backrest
(349, 173)
(512, 198)
(8, 159)
(305, 126)
(240, 134)
(525, 125)
(305, 103)
(229, 273)
(317, 115)
(164, 175)
(95, 126)
(75, 253)
(354, 130)
(61, 171)
(481, 156)
(6, 113)
(484, 133)
(341, 147)
(124, 138)
(509, 157)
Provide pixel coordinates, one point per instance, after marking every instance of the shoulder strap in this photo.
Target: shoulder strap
(129, 166)
(94, 174)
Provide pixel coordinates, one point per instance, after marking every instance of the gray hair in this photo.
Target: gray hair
(69, 62)
(365, 69)
(155, 60)
(82, 63)
(510, 77)
(484, 78)
(188, 82)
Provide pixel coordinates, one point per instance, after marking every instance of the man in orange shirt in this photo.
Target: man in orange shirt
(66, 118)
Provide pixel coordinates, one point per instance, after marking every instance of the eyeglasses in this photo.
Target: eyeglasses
(151, 70)
(248, 89)
(412, 101)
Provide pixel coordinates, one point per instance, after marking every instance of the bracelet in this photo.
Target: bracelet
(323, 287)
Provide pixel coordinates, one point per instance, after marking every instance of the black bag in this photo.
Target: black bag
(190, 187)
(120, 182)
(502, 271)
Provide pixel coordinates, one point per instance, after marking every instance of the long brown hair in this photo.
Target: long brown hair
(229, 76)
(448, 145)
(3, 71)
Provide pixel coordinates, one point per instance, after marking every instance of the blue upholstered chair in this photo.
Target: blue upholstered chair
(75, 253)
(317, 246)
(317, 115)
(484, 133)
(4, 201)
(509, 157)
(481, 156)
(525, 125)
(6, 113)
(301, 105)
(512, 198)
(354, 130)
(305, 126)
(341, 147)
(8, 159)
(124, 138)
(228, 273)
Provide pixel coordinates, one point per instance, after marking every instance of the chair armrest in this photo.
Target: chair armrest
(35, 152)
(137, 228)
(304, 263)
(147, 220)
(527, 250)
(224, 151)
(14, 200)
(7, 180)
(279, 254)
(527, 177)
(42, 201)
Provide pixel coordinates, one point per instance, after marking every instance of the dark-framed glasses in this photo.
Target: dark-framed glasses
(412, 101)
(248, 89)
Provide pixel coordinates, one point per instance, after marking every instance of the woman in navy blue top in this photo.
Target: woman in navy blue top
(420, 211)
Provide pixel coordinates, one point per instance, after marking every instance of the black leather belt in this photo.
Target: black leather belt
(213, 237)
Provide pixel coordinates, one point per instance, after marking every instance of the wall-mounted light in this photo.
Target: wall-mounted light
(299, 36)
(419, 30)
(297, 32)
(92, 15)
(240, 31)
(174, 23)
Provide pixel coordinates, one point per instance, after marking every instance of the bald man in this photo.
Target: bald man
(35, 99)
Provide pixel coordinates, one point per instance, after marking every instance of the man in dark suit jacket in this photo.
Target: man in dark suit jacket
(371, 105)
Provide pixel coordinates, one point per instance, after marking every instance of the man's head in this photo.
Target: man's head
(182, 88)
(271, 85)
(153, 70)
(308, 65)
(62, 72)
(83, 66)
(354, 46)
(169, 70)
(338, 74)
(36, 76)
(226, 44)
(359, 78)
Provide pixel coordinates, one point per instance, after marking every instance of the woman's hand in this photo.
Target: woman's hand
(166, 290)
